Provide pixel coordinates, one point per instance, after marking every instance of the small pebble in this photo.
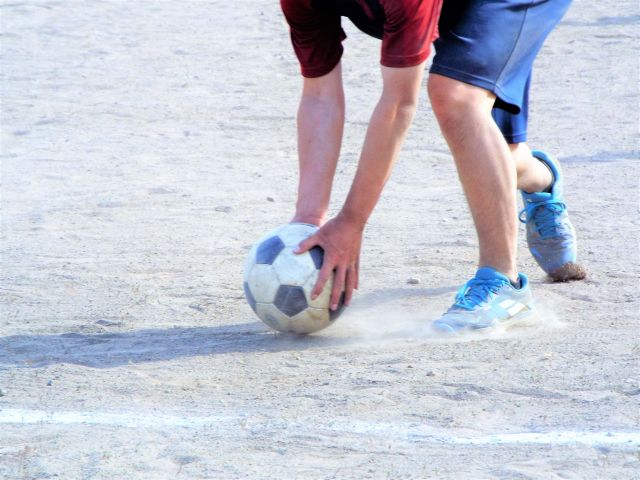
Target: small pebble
(108, 323)
(413, 281)
(160, 191)
(270, 199)
(430, 373)
(49, 383)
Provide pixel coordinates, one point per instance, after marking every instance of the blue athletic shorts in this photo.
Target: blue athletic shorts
(492, 44)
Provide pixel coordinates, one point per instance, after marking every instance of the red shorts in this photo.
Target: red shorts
(406, 27)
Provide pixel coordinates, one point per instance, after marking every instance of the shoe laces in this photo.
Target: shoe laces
(476, 292)
(545, 215)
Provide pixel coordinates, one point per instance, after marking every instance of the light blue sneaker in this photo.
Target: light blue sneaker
(550, 234)
(487, 300)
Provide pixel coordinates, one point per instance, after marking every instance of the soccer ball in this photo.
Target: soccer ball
(278, 282)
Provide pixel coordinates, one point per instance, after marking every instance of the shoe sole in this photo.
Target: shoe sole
(568, 272)
(522, 318)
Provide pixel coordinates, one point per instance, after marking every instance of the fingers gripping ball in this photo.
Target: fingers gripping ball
(278, 282)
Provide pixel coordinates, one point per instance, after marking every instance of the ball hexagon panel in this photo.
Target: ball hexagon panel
(317, 255)
(273, 317)
(322, 301)
(334, 314)
(293, 233)
(251, 256)
(248, 264)
(250, 261)
(249, 296)
(290, 300)
(269, 250)
(293, 269)
(311, 320)
(263, 283)
(272, 233)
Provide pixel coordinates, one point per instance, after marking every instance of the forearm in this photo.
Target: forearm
(320, 128)
(341, 237)
(386, 133)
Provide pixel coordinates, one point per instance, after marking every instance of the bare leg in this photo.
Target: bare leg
(485, 167)
(533, 175)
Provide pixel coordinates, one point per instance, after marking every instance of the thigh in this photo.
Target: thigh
(492, 43)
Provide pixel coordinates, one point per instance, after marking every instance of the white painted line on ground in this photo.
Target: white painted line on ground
(129, 420)
(408, 432)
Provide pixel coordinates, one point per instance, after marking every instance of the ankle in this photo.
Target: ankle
(552, 178)
(538, 177)
(510, 273)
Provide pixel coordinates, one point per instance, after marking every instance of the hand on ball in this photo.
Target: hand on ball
(341, 240)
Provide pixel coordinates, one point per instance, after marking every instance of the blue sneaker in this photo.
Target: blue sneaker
(550, 234)
(487, 300)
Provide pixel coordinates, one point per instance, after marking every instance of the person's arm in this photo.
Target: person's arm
(320, 127)
(341, 237)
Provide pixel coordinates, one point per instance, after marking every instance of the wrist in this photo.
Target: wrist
(353, 218)
(312, 219)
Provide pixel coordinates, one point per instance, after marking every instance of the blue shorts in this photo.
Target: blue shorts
(492, 44)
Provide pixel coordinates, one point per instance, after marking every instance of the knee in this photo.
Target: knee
(405, 111)
(454, 103)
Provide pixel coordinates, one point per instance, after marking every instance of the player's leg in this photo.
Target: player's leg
(533, 175)
(484, 164)
(550, 235)
(496, 294)
(490, 45)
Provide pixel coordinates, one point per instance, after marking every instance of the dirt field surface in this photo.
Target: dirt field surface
(146, 145)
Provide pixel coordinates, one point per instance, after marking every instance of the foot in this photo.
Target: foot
(487, 300)
(550, 234)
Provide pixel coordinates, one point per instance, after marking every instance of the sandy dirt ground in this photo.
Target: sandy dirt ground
(147, 144)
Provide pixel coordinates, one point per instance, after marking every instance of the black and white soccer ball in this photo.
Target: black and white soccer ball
(278, 282)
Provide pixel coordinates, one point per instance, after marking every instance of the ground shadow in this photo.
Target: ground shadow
(113, 349)
(602, 157)
(109, 350)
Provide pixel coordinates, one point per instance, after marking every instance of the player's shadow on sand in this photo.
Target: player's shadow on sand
(109, 350)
